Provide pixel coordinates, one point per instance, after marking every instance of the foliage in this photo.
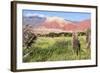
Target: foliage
(52, 34)
(81, 33)
(55, 49)
(28, 36)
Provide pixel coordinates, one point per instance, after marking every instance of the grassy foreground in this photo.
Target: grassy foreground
(55, 49)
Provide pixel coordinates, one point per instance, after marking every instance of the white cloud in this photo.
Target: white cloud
(34, 14)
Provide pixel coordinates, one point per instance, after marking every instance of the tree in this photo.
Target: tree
(76, 43)
(88, 38)
(28, 36)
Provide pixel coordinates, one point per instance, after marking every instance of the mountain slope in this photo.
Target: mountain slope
(56, 24)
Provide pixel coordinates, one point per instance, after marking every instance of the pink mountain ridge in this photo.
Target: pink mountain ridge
(58, 24)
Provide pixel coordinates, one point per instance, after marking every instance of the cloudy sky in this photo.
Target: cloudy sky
(73, 16)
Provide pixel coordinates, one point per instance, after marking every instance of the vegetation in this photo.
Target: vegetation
(55, 49)
(52, 34)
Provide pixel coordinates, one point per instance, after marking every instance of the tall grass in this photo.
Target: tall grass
(55, 49)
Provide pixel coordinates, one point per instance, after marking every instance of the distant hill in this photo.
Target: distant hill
(44, 25)
(33, 20)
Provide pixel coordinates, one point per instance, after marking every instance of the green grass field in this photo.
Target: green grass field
(55, 49)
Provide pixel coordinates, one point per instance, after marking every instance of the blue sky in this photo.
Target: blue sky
(73, 16)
